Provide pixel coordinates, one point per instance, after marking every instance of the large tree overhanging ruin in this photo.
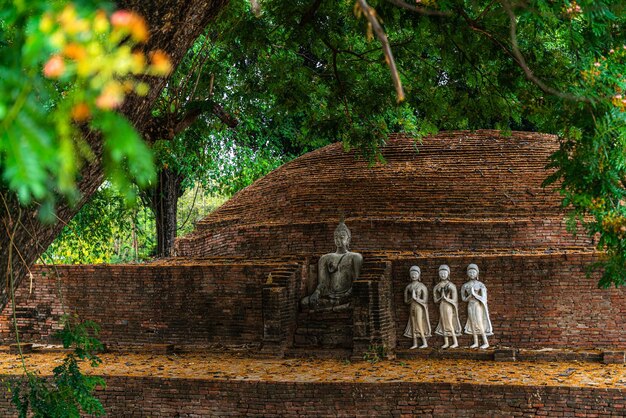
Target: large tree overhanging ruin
(492, 54)
(174, 25)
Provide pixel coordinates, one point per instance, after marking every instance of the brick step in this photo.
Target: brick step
(440, 218)
(282, 275)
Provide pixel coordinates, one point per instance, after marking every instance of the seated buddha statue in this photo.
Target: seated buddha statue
(336, 272)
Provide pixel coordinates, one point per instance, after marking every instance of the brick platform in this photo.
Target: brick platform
(146, 397)
(457, 198)
(210, 385)
(192, 305)
(535, 300)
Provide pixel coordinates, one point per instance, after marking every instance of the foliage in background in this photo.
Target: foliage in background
(193, 206)
(550, 66)
(299, 75)
(68, 391)
(107, 230)
(298, 82)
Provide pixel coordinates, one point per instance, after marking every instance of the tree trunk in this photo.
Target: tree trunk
(174, 25)
(165, 204)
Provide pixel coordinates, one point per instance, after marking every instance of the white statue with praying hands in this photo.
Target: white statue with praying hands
(445, 295)
(416, 296)
(474, 293)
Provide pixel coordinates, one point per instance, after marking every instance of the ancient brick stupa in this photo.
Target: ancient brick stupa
(455, 198)
(244, 280)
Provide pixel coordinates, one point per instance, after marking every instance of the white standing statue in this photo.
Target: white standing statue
(474, 293)
(445, 295)
(416, 296)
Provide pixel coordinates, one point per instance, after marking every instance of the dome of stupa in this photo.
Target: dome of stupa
(452, 191)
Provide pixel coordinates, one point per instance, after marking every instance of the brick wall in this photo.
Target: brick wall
(193, 304)
(155, 397)
(373, 318)
(280, 306)
(534, 300)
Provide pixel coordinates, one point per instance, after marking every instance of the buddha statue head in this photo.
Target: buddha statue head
(342, 237)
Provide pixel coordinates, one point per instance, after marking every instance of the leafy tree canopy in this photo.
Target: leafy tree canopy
(108, 230)
(296, 75)
(302, 74)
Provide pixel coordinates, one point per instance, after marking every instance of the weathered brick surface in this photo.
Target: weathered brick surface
(543, 300)
(535, 301)
(373, 307)
(462, 198)
(460, 191)
(370, 234)
(156, 397)
(614, 357)
(279, 305)
(192, 304)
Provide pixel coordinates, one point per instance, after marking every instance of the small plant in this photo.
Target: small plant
(68, 391)
(375, 353)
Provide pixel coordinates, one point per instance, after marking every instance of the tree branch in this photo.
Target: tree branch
(519, 58)
(168, 127)
(255, 5)
(485, 10)
(192, 115)
(310, 13)
(514, 51)
(226, 118)
(370, 15)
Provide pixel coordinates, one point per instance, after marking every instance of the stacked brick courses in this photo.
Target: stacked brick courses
(156, 397)
(279, 305)
(456, 190)
(373, 307)
(372, 234)
(193, 304)
(465, 197)
(462, 198)
(536, 301)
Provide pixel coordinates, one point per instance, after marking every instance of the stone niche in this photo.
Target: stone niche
(321, 329)
(455, 198)
(365, 323)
